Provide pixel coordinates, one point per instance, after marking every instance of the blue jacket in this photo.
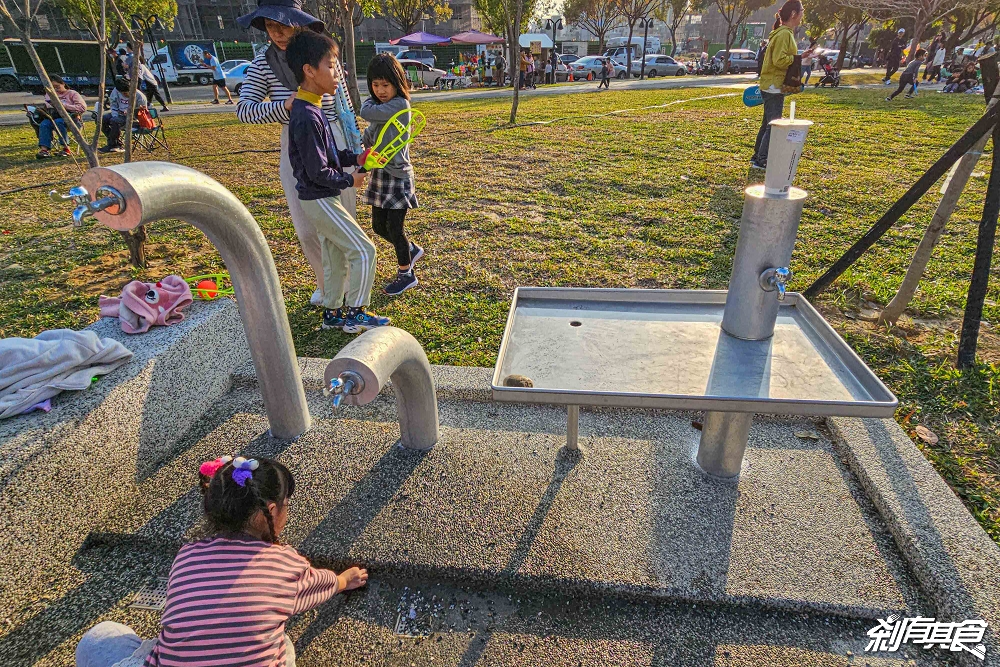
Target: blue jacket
(317, 164)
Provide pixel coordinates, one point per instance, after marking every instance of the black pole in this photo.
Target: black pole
(903, 204)
(979, 284)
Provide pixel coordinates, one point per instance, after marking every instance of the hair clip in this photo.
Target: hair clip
(209, 468)
(243, 469)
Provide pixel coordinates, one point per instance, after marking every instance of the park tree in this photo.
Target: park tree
(405, 14)
(632, 11)
(508, 18)
(346, 15)
(970, 21)
(672, 13)
(821, 16)
(598, 17)
(923, 13)
(18, 19)
(735, 13)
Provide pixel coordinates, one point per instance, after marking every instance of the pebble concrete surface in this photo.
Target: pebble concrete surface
(496, 547)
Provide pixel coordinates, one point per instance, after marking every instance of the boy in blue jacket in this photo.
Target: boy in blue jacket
(348, 254)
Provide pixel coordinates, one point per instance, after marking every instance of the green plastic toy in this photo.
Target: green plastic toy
(379, 155)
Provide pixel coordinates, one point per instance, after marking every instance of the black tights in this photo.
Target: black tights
(388, 223)
(905, 81)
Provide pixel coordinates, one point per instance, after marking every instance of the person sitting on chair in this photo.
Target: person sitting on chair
(74, 104)
(113, 121)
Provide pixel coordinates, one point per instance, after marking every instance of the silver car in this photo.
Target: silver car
(430, 76)
(659, 65)
(593, 65)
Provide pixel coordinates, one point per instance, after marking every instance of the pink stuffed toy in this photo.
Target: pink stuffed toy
(142, 305)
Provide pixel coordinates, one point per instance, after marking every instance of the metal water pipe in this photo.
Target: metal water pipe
(768, 228)
(359, 372)
(135, 194)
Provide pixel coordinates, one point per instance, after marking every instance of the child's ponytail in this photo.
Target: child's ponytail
(236, 489)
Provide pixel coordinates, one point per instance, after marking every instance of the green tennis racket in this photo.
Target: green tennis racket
(385, 148)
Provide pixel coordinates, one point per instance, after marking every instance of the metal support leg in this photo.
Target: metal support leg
(723, 440)
(572, 426)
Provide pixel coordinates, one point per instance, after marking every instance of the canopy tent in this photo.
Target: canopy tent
(475, 37)
(526, 40)
(419, 39)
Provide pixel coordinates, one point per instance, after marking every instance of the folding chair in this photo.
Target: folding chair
(150, 139)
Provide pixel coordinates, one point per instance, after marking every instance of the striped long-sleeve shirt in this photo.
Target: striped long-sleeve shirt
(259, 84)
(228, 600)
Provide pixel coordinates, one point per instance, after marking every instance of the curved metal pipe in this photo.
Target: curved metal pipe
(377, 356)
(158, 190)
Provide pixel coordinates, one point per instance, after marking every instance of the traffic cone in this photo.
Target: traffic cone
(590, 76)
(570, 78)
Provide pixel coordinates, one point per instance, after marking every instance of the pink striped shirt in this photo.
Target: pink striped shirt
(228, 600)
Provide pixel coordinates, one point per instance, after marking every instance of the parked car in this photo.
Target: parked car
(659, 65)
(567, 58)
(8, 80)
(235, 76)
(849, 59)
(740, 60)
(230, 64)
(429, 76)
(592, 65)
(422, 55)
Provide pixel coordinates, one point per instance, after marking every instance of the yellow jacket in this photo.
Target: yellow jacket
(781, 51)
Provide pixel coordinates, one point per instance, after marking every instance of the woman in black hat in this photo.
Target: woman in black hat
(269, 76)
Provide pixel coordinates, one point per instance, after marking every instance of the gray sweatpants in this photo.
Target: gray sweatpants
(348, 254)
(304, 228)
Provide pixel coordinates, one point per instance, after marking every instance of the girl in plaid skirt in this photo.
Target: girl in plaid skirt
(391, 189)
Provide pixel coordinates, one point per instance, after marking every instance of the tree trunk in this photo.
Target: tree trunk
(673, 41)
(628, 49)
(102, 41)
(843, 46)
(77, 132)
(922, 255)
(730, 38)
(135, 240)
(516, 34)
(133, 86)
(857, 37)
(346, 20)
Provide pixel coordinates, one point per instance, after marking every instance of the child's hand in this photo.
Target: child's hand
(359, 178)
(288, 102)
(355, 577)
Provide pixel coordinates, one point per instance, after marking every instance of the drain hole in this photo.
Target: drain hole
(575, 323)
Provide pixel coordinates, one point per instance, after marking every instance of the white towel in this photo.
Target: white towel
(34, 369)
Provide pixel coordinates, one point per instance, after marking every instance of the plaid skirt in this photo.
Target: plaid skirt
(386, 191)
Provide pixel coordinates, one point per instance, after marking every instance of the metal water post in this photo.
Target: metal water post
(770, 223)
(131, 195)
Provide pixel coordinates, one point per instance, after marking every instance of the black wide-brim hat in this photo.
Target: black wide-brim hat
(285, 12)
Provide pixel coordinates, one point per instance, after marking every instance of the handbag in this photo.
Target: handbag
(793, 77)
(144, 118)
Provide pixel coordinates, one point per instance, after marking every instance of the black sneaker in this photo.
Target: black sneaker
(757, 164)
(416, 252)
(359, 319)
(333, 319)
(404, 281)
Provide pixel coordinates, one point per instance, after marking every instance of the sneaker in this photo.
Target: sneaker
(317, 298)
(164, 109)
(333, 319)
(416, 252)
(404, 281)
(909, 97)
(111, 149)
(65, 152)
(42, 154)
(215, 101)
(359, 319)
(229, 102)
(757, 164)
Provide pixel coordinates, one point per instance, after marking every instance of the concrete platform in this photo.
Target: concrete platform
(624, 554)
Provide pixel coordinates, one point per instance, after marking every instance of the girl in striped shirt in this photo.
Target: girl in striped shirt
(229, 595)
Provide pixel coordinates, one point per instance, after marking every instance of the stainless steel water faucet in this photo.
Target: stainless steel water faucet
(108, 197)
(345, 384)
(776, 279)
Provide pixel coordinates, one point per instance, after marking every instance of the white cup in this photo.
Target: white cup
(788, 138)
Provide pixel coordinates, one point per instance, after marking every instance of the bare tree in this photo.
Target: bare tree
(734, 13)
(598, 17)
(509, 18)
(405, 14)
(672, 13)
(923, 13)
(970, 21)
(347, 15)
(632, 11)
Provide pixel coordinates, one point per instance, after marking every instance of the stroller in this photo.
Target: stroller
(831, 76)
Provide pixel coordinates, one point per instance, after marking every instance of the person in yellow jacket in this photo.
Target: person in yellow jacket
(780, 54)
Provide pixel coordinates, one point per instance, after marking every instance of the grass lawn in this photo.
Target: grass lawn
(649, 198)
